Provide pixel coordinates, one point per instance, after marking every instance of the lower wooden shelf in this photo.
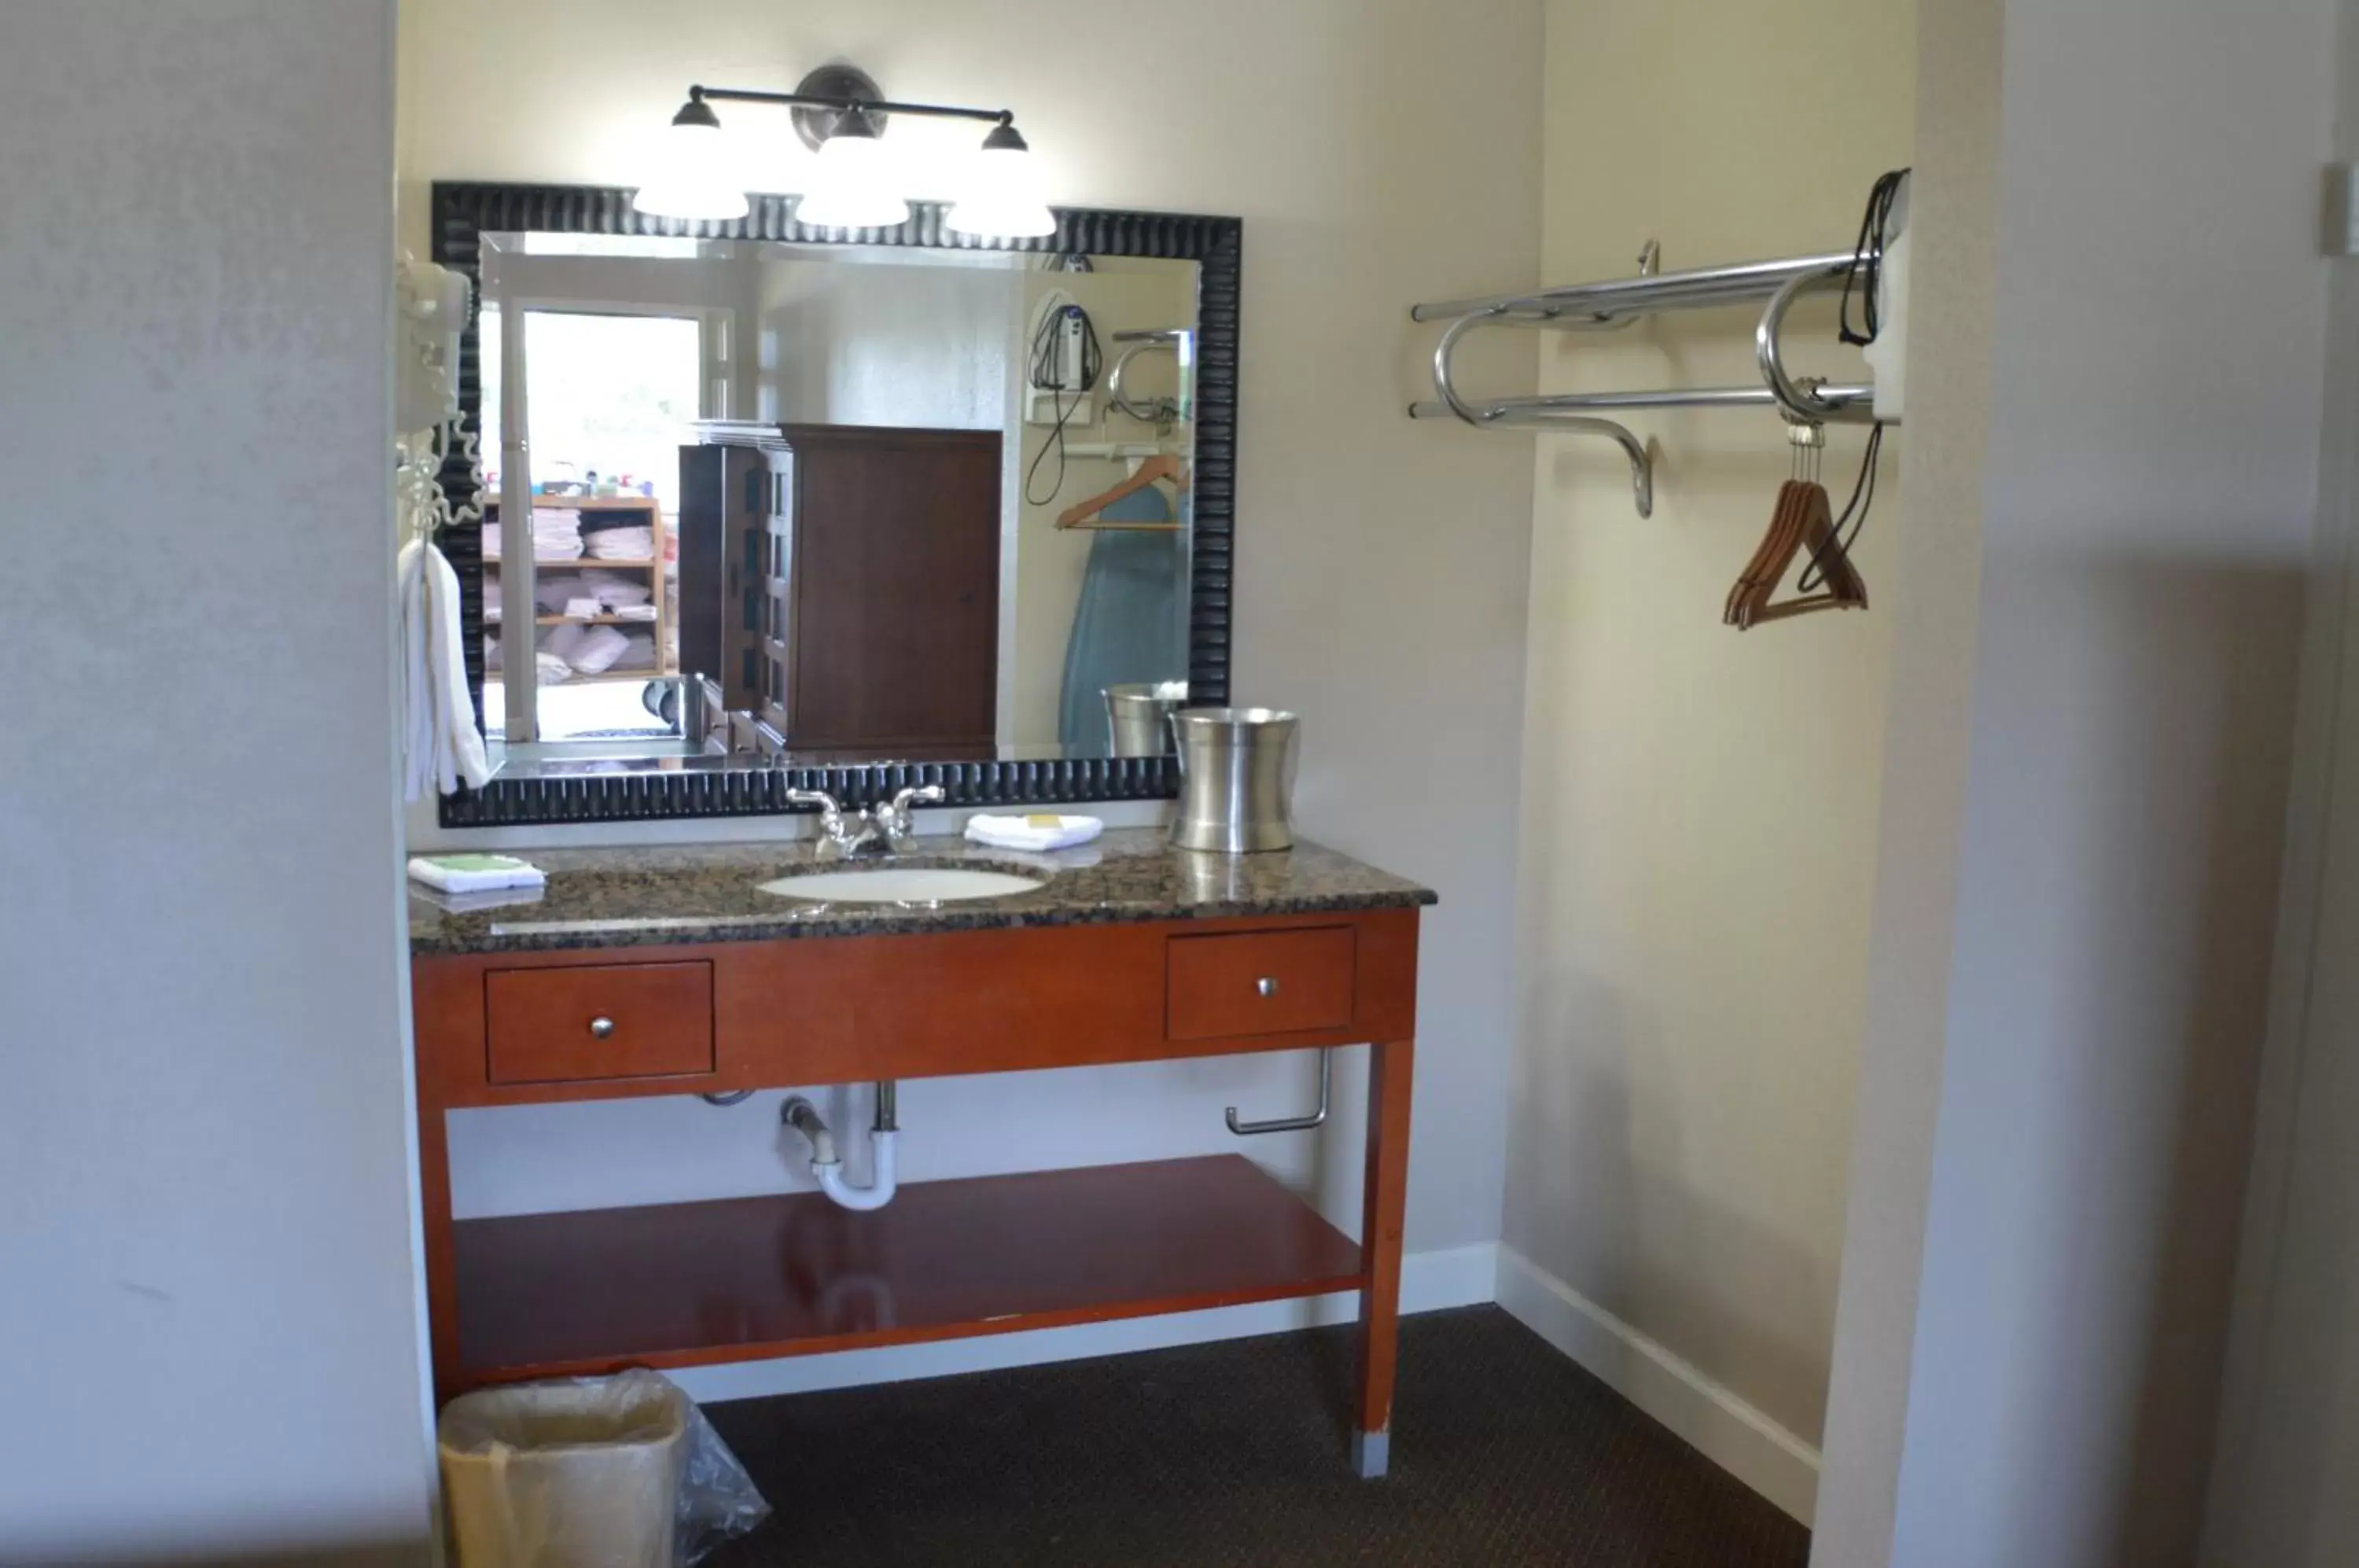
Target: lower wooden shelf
(740, 1278)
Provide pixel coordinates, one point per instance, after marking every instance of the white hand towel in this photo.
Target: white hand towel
(1028, 833)
(441, 745)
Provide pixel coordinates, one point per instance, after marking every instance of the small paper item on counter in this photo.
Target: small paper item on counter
(1038, 832)
(475, 873)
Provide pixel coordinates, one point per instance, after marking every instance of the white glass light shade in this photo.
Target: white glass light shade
(693, 178)
(853, 186)
(1004, 197)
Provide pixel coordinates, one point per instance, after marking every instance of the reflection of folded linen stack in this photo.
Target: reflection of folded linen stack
(556, 534)
(613, 590)
(634, 542)
(590, 594)
(603, 648)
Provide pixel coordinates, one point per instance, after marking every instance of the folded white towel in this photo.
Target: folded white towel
(1032, 832)
(554, 672)
(584, 609)
(635, 612)
(475, 873)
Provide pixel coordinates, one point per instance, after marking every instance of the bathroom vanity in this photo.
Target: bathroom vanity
(682, 971)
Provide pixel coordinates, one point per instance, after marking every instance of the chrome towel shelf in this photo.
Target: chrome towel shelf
(1616, 303)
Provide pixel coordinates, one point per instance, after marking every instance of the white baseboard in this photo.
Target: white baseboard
(1458, 1277)
(1723, 1427)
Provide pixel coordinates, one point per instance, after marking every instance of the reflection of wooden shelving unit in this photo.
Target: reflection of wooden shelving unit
(659, 627)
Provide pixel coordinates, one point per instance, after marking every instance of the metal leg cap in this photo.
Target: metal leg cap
(1372, 1453)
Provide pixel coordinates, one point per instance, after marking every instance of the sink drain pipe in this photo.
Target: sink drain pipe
(827, 1165)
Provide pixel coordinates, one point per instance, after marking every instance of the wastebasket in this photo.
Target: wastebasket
(575, 1474)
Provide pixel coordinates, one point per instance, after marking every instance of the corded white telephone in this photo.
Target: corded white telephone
(433, 306)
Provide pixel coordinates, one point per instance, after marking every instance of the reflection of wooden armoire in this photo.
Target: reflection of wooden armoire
(844, 586)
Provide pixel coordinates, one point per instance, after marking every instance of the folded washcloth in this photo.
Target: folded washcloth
(634, 612)
(475, 873)
(1034, 832)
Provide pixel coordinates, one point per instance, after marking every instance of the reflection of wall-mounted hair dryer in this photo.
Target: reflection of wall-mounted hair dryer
(1060, 373)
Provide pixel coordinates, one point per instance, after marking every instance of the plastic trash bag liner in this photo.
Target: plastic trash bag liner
(621, 1471)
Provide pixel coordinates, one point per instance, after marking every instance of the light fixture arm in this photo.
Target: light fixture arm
(846, 106)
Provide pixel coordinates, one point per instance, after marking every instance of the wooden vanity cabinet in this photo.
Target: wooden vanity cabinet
(681, 1284)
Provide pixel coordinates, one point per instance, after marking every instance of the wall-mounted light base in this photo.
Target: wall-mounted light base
(836, 80)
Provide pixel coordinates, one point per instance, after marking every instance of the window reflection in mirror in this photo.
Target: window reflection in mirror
(608, 400)
(847, 503)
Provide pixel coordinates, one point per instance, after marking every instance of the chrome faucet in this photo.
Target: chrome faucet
(874, 830)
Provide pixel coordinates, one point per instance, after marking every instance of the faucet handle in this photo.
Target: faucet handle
(830, 818)
(895, 818)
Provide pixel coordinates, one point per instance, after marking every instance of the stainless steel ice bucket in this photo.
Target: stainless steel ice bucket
(1140, 720)
(1236, 778)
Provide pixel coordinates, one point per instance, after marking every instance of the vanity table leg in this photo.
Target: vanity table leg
(434, 1218)
(1385, 1199)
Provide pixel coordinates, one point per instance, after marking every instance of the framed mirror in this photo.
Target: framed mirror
(748, 507)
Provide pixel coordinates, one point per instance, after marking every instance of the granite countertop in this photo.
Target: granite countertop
(628, 897)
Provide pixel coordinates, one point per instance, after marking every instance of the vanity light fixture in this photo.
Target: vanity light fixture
(840, 112)
(851, 186)
(692, 177)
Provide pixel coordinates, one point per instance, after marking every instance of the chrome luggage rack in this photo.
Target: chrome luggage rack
(1618, 302)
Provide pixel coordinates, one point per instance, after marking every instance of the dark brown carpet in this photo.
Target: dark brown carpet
(1504, 1452)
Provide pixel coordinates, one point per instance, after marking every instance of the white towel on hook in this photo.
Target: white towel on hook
(441, 747)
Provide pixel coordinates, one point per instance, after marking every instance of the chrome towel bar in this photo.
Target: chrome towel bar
(1618, 302)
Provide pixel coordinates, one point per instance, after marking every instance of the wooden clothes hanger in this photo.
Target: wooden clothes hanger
(1803, 515)
(1084, 515)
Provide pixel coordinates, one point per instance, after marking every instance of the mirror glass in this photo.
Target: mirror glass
(763, 503)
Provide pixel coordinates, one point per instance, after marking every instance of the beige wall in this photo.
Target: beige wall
(1380, 567)
(207, 1279)
(1700, 805)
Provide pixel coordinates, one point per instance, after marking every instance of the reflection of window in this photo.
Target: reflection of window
(612, 396)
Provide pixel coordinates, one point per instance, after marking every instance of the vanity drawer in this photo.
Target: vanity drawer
(611, 1021)
(1258, 982)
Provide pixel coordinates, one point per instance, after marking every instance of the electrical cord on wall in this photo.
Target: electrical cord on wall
(1043, 372)
(1867, 261)
(1867, 274)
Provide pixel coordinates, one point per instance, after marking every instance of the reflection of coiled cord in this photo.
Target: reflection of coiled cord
(1044, 373)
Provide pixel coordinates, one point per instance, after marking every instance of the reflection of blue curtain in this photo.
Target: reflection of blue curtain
(1131, 622)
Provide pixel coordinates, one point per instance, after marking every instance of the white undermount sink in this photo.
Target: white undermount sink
(900, 885)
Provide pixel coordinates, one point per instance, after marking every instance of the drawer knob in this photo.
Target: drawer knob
(1266, 986)
(600, 1029)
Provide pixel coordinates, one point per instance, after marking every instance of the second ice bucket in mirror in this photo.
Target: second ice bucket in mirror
(1236, 778)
